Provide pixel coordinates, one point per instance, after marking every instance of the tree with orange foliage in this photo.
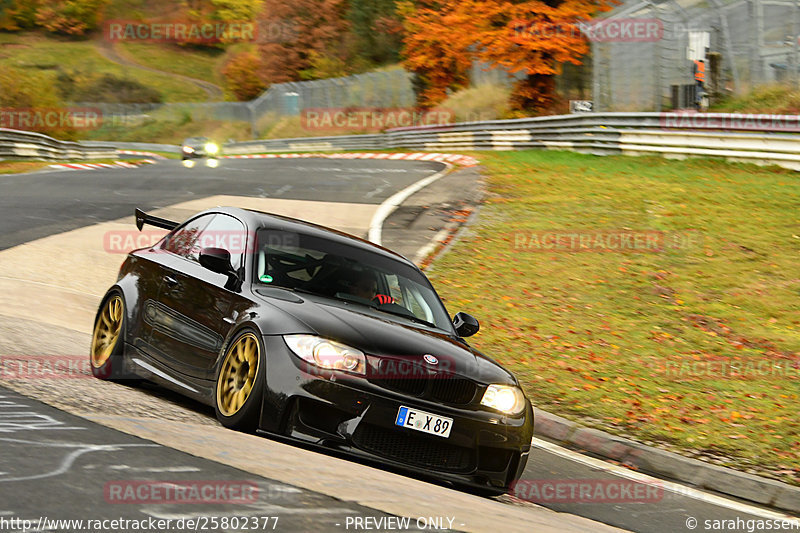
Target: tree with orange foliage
(532, 37)
(308, 32)
(241, 76)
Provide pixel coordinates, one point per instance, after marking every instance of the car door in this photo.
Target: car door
(192, 312)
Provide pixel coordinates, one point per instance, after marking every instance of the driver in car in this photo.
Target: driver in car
(366, 286)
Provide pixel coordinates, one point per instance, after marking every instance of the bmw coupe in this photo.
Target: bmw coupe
(293, 329)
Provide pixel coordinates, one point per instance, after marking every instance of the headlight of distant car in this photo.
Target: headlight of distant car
(188, 149)
(504, 398)
(326, 353)
(211, 148)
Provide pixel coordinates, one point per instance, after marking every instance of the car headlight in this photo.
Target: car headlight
(504, 398)
(326, 353)
(211, 148)
(188, 149)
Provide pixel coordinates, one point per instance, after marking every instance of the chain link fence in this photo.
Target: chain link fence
(754, 41)
(387, 89)
(749, 42)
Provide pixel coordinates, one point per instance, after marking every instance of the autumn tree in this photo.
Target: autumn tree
(312, 31)
(438, 60)
(18, 14)
(69, 17)
(531, 37)
(236, 10)
(377, 30)
(241, 76)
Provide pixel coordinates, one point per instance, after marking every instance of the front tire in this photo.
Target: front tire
(239, 386)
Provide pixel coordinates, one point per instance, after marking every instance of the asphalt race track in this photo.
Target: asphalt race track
(54, 267)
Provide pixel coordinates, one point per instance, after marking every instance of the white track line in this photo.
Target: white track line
(393, 202)
(676, 488)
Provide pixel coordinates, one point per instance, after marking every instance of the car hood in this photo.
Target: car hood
(385, 337)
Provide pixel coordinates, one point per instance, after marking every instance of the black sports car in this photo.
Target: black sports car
(294, 329)
(199, 147)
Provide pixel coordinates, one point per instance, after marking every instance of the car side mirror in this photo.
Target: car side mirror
(216, 260)
(466, 325)
(219, 260)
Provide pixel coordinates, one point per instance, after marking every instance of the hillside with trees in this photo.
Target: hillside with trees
(66, 44)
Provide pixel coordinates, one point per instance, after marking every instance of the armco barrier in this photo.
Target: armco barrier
(762, 139)
(146, 147)
(309, 144)
(25, 144)
(758, 139)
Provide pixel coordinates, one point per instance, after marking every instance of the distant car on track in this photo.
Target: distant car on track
(294, 329)
(199, 147)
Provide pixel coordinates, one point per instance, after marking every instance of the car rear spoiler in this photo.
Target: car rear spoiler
(143, 218)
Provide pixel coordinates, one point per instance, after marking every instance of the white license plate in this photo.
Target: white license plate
(425, 422)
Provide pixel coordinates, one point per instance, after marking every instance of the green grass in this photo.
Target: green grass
(199, 63)
(638, 343)
(37, 52)
(774, 98)
(484, 102)
(168, 130)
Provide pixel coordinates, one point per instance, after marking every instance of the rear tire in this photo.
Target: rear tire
(107, 353)
(239, 387)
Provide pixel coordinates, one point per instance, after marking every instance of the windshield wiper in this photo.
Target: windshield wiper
(408, 316)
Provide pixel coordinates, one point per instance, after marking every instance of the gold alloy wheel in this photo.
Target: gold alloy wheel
(238, 374)
(106, 331)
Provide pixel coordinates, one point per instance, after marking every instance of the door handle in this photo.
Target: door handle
(169, 280)
(231, 319)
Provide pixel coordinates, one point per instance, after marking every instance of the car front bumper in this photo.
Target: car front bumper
(354, 415)
(197, 154)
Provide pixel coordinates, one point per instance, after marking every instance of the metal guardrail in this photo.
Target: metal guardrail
(25, 144)
(762, 139)
(151, 147)
(308, 144)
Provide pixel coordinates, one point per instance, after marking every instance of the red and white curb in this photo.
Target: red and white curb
(456, 159)
(97, 166)
(151, 155)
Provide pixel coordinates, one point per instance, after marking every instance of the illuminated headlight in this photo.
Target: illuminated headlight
(506, 399)
(188, 149)
(211, 148)
(327, 354)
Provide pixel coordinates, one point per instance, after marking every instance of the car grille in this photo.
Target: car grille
(449, 389)
(428, 385)
(407, 448)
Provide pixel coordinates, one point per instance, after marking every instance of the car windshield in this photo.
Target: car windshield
(371, 281)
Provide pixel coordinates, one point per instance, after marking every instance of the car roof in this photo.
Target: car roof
(261, 219)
